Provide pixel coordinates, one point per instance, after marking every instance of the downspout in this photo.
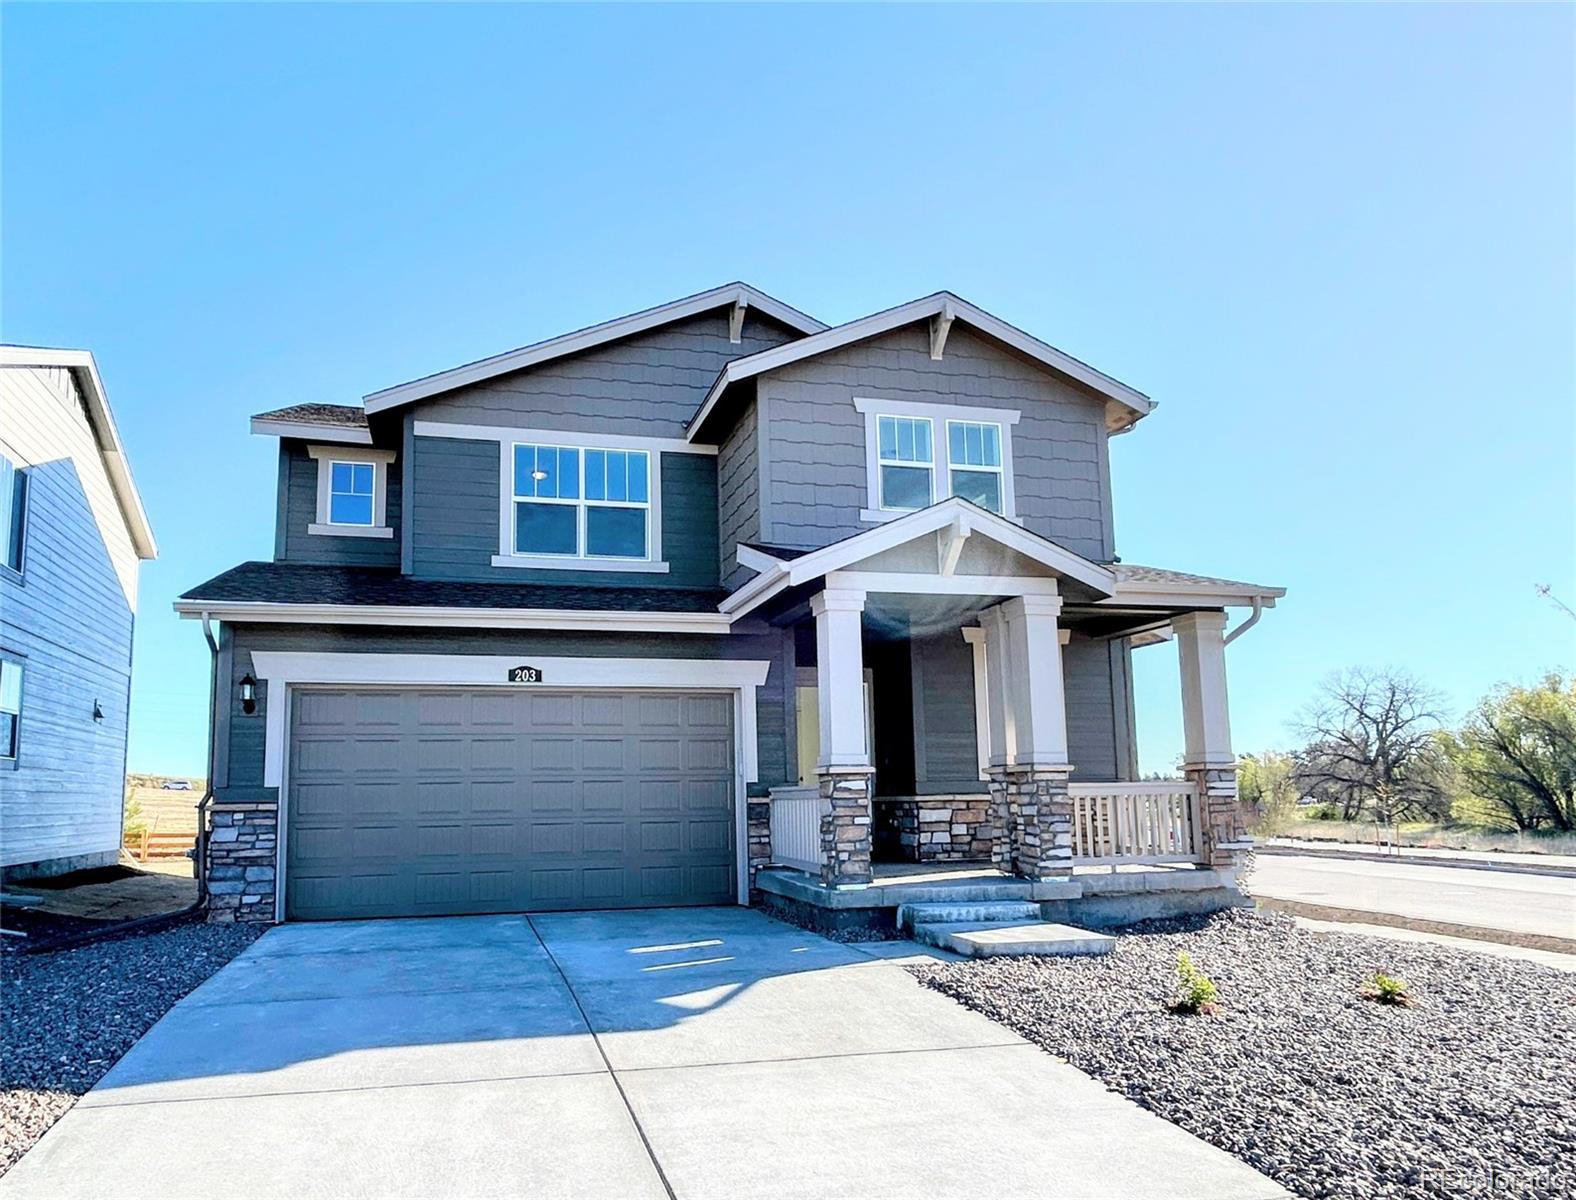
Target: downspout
(200, 860)
(1258, 611)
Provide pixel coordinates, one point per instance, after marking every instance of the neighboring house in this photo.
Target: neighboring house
(73, 534)
(624, 617)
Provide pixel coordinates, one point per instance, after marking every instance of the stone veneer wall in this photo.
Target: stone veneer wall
(1226, 839)
(1039, 823)
(845, 829)
(941, 828)
(242, 846)
(759, 815)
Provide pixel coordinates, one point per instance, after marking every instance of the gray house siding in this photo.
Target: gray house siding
(68, 621)
(738, 495)
(298, 510)
(648, 385)
(1091, 685)
(238, 767)
(454, 516)
(813, 474)
(946, 754)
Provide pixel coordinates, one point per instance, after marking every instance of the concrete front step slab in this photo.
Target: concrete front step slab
(988, 939)
(1021, 911)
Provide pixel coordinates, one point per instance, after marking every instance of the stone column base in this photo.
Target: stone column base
(1226, 841)
(243, 846)
(758, 814)
(845, 829)
(1040, 822)
(998, 827)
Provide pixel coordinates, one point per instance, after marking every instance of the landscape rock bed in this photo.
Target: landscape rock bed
(1471, 1093)
(66, 1017)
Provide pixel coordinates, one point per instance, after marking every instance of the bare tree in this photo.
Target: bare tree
(1373, 746)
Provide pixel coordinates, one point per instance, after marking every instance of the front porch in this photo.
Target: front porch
(963, 729)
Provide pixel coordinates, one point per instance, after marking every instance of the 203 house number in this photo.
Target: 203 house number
(525, 675)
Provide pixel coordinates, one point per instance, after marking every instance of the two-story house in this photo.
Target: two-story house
(73, 535)
(704, 602)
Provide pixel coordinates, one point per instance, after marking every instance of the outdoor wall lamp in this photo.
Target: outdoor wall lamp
(248, 694)
(98, 713)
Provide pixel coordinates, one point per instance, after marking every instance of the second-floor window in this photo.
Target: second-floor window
(907, 462)
(350, 493)
(13, 512)
(581, 502)
(974, 462)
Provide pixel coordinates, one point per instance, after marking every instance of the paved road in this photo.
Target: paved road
(638, 1056)
(1543, 905)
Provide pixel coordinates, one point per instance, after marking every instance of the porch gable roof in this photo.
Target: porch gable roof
(955, 517)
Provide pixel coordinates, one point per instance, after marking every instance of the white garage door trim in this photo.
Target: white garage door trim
(282, 670)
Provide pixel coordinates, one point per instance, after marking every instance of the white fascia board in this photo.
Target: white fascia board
(906, 314)
(559, 437)
(756, 560)
(312, 433)
(1192, 595)
(455, 618)
(585, 339)
(111, 449)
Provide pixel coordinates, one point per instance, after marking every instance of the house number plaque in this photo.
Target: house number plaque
(525, 674)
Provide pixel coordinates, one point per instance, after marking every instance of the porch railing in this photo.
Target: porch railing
(796, 827)
(1138, 823)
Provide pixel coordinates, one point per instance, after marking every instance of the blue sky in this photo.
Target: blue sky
(1334, 243)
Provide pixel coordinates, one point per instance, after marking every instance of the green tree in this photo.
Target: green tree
(1264, 782)
(1517, 751)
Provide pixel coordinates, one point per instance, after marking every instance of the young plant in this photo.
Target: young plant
(1387, 989)
(1197, 992)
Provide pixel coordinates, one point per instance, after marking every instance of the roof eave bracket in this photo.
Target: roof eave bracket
(940, 326)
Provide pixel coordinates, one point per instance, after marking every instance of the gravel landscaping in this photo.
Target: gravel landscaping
(1470, 1093)
(67, 1016)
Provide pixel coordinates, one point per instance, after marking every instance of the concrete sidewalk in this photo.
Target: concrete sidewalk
(674, 1053)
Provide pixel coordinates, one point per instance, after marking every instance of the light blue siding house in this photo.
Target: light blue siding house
(711, 603)
(73, 533)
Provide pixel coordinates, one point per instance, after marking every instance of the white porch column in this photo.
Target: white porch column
(844, 766)
(1206, 730)
(1206, 718)
(840, 679)
(998, 716)
(1036, 698)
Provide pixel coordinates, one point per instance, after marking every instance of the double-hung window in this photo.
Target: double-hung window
(13, 512)
(918, 453)
(974, 462)
(10, 707)
(582, 502)
(906, 458)
(351, 487)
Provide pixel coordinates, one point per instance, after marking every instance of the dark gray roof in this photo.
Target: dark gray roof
(782, 552)
(306, 583)
(338, 416)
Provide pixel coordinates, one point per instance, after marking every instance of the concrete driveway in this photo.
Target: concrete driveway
(672, 1053)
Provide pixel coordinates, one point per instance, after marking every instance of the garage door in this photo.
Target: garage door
(423, 802)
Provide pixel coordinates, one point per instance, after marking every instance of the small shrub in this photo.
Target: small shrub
(1324, 812)
(1197, 992)
(1386, 989)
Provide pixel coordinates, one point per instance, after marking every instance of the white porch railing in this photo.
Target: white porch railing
(796, 827)
(1136, 823)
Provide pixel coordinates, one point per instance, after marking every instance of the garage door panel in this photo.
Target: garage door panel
(431, 800)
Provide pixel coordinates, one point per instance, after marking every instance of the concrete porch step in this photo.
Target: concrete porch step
(951, 912)
(987, 939)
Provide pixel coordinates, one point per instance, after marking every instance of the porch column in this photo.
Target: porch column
(844, 766)
(1034, 783)
(1208, 761)
(998, 756)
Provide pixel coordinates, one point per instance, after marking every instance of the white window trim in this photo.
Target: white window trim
(284, 671)
(507, 557)
(1000, 470)
(9, 762)
(326, 457)
(913, 465)
(939, 415)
